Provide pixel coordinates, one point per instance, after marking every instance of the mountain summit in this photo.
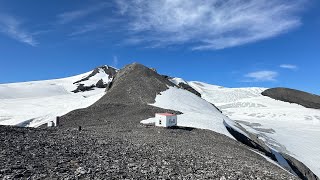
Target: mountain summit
(127, 99)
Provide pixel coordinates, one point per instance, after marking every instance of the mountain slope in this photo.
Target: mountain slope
(127, 100)
(294, 96)
(37, 102)
(288, 128)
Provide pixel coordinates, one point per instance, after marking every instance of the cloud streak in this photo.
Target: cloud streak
(11, 27)
(70, 16)
(208, 24)
(104, 25)
(289, 66)
(261, 76)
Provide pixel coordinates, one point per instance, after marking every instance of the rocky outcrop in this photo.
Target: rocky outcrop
(299, 168)
(252, 140)
(184, 86)
(101, 84)
(294, 96)
(109, 71)
(82, 88)
(188, 88)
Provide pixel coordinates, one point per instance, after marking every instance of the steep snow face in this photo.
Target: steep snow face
(31, 104)
(288, 128)
(197, 112)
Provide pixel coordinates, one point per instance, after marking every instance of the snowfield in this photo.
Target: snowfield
(285, 127)
(31, 104)
(197, 112)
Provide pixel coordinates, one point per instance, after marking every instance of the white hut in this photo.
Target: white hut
(166, 119)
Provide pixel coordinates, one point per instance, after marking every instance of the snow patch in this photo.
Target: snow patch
(197, 112)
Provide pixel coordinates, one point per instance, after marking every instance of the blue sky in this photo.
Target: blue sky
(239, 43)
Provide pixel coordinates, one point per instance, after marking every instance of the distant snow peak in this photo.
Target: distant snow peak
(100, 77)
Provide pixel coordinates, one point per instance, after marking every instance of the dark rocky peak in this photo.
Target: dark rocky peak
(294, 96)
(126, 102)
(135, 83)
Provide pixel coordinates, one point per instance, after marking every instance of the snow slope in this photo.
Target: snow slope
(285, 127)
(35, 103)
(197, 112)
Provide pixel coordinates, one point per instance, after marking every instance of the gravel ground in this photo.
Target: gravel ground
(137, 152)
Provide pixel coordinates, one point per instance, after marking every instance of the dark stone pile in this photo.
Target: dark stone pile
(294, 96)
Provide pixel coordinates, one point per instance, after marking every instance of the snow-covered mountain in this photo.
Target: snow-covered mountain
(30, 104)
(285, 127)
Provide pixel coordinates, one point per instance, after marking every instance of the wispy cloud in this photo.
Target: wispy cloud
(208, 24)
(71, 16)
(11, 27)
(103, 24)
(261, 76)
(85, 29)
(289, 66)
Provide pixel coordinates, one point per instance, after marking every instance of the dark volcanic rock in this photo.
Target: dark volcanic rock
(101, 84)
(135, 84)
(184, 86)
(189, 88)
(294, 96)
(103, 152)
(82, 88)
(253, 141)
(107, 69)
(110, 71)
(300, 169)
